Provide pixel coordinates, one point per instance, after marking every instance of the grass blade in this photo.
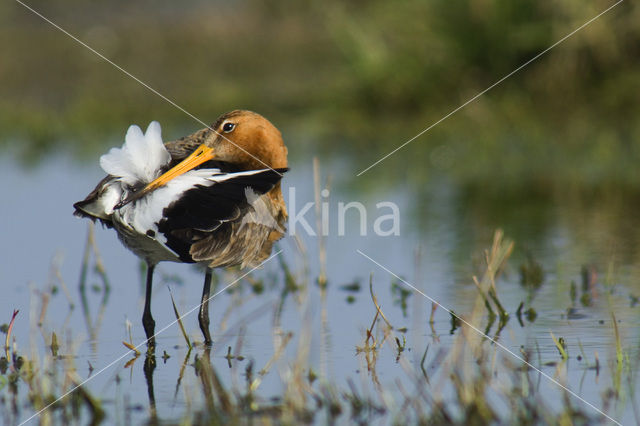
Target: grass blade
(8, 339)
(179, 319)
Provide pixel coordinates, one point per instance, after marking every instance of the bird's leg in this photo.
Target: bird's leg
(203, 315)
(147, 320)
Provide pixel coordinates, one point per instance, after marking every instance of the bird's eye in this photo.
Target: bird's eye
(228, 127)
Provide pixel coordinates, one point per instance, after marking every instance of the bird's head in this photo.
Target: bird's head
(247, 140)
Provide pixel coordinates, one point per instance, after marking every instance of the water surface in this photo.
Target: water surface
(442, 234)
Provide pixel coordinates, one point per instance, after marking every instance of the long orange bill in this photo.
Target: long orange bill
(201, 155)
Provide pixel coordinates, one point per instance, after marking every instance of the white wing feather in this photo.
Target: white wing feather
(141, 157)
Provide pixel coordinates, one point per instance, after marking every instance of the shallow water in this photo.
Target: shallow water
(439, 249)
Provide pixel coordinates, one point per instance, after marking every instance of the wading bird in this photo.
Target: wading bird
(212, 198)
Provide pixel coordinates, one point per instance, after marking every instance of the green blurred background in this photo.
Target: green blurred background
(350, 80)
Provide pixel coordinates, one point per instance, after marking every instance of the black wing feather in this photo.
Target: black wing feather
(203, 209)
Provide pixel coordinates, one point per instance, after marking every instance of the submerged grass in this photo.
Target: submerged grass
(561, 345)
(462, 379)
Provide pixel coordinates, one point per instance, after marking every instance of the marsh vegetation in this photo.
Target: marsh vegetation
(508, 295)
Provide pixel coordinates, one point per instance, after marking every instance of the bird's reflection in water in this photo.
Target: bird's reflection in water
(149, 367)
(211, 385)
(215, 395)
